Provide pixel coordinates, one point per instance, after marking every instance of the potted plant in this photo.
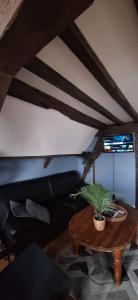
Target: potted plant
(99, 198)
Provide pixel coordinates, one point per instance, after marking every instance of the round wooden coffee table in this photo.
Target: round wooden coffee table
(114, 238)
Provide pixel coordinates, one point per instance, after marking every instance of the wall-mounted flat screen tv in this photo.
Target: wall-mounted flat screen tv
(118, 143)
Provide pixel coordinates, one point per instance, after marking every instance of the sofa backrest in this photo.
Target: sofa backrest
(64, 183)
(25, 189)
(47, 188)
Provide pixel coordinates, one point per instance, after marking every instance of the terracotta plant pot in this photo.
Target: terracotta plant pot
(99, 225)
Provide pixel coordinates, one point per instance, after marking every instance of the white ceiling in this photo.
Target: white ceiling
(58, 56)
(48, 88)
(111, 28)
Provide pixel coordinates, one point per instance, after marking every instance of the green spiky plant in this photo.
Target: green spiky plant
(96, 196)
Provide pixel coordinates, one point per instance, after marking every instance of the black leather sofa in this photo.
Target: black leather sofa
(52, 192)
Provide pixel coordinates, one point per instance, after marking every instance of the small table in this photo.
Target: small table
(114, 238)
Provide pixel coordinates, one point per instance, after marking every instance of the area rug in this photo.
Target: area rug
(92, 272)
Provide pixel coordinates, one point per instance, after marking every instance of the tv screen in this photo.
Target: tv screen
(118, 143)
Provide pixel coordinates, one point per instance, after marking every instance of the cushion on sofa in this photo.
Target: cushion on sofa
(37, 211)
(20, 225)
(19, 210)
(30, 210)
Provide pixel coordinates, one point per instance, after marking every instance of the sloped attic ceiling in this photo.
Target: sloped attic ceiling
(111, 29)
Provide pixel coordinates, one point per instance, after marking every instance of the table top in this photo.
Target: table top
(115, 235)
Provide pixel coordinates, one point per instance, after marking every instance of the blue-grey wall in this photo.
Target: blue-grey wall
(124, 171)
(124, 174)
(12, 170)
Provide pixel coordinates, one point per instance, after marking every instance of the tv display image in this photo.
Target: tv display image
(118, 143)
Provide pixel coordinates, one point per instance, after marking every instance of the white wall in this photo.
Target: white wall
(27, 130)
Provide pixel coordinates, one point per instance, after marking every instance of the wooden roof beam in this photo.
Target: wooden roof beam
(32, 30)
(8, 13)
(5, 81)
(77, 43)
(24, 92)
(136, 4)
(45, 72)
(97, 150)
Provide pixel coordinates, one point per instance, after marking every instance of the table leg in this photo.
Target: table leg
(117, 253)
(134, 239)
(75, 247)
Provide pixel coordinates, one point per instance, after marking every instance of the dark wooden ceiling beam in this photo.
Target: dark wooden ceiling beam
(5, 81)
(97, 150)
(122, 129)
(23, 91)
(77, 43)
(136, 4)
(44, 71)
(37, 23)
(47, 161)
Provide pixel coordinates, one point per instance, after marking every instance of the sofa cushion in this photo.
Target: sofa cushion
(20, 225)
(36, 232)
(40, 234)
(19, 210)
(60, 214)
(30, 210)
(37, 211)
(30, 230)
